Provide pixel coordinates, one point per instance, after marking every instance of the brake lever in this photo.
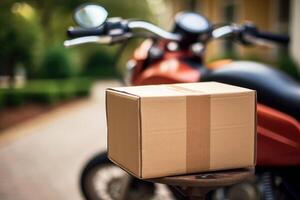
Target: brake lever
(88, 39)
(120, 38)
(251, 40)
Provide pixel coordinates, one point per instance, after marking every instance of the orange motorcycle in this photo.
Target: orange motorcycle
(177, 57)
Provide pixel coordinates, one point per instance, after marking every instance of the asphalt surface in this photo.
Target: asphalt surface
(42, 158)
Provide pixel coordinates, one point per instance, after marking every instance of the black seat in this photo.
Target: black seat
(274, 88)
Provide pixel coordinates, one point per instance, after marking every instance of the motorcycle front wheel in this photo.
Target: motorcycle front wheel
(102, 180)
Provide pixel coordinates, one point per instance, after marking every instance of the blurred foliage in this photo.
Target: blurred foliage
(1, 99)
(99, 64)
(57, 63)
(226, 55)
(46, 91)
(287, 64)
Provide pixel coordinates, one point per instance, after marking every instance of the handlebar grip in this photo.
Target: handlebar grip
(284, 39)
(81, 32)
(251, 29)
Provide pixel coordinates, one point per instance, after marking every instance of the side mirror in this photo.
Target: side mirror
(90, 15)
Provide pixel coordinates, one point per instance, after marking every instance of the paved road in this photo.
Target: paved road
(42, 158)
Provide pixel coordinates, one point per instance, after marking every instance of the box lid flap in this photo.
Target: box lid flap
(182, 89)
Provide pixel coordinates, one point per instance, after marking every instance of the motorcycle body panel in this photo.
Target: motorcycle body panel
(278, 138)
(171, 68)
(278, 128)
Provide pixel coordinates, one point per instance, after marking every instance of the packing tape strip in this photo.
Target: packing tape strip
(198, 133)
(198, 129)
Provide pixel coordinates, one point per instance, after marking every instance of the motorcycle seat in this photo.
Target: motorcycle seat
(274, 88)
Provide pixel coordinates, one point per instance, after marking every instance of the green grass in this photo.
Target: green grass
(48, 91)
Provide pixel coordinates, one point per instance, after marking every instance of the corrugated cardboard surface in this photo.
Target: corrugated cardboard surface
(163, 130)
(123, 127)
(233, 126)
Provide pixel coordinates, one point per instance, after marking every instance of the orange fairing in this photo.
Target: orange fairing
(218, 64)
(169, 70)
(278, 142)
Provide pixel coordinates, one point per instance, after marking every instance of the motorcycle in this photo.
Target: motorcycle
(178, 57)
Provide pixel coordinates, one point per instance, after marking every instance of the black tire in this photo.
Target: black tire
(100, 168)
(98, 159)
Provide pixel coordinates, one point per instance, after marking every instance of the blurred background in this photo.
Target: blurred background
(32, 33)
(51, 100)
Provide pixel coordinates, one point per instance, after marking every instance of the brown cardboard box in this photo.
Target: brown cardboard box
(163, 130)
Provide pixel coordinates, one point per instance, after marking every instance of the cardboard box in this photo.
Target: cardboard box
(163, 130)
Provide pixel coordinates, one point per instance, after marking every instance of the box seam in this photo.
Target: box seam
(123, 167)
(255, 128)
(106, 114)
(140, 138)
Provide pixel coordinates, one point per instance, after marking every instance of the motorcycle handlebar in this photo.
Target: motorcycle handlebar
(124, 28)
(250, 29)
(153, 29)
(272, 37)
(82, 32)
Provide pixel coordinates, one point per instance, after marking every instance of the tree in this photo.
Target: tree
(18, 38)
